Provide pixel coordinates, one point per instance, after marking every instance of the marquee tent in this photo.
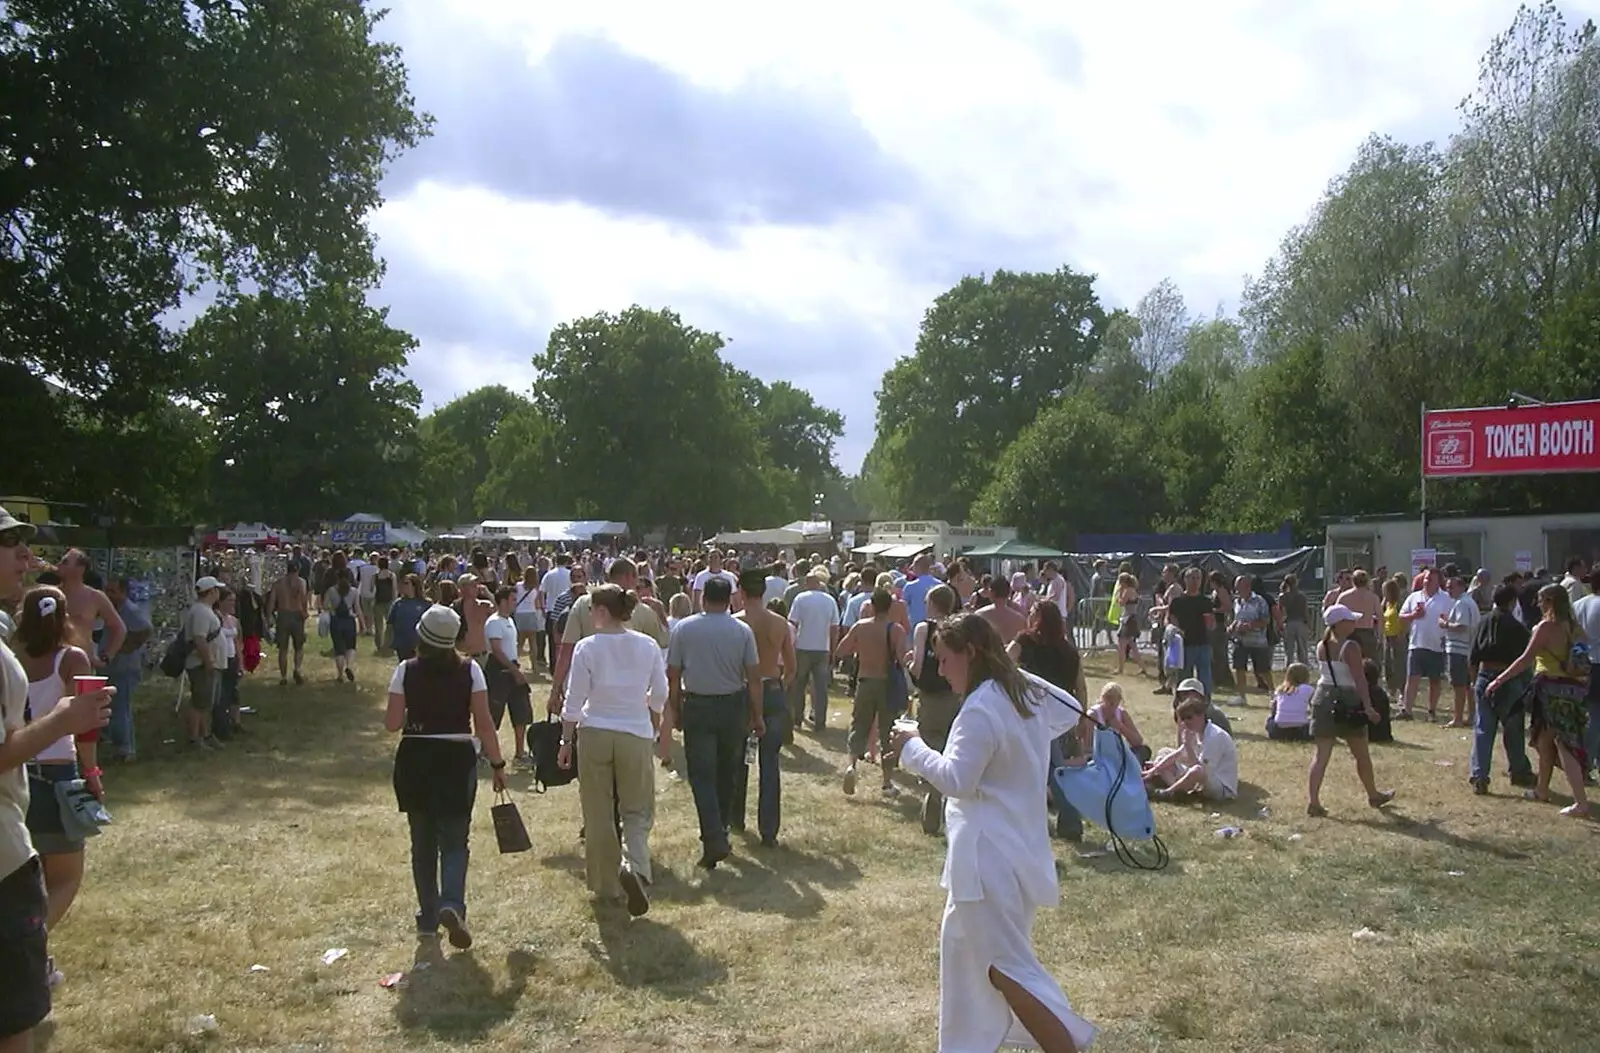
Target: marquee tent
(800, 532)
(548, 529)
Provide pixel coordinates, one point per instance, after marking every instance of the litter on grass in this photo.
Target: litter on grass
(333, 954)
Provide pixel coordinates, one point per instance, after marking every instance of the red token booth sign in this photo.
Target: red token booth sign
(1520, 440)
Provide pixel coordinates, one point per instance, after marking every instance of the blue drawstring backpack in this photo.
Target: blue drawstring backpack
(1109, 790)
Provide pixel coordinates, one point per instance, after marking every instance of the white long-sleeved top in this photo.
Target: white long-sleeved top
(992, 773)
(617, 680)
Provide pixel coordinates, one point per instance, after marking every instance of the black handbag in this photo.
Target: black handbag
(510, 833)
(544, 743)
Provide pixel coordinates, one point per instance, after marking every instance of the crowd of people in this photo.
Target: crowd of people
(737, 656)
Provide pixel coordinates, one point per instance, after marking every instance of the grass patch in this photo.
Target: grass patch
(288, 844)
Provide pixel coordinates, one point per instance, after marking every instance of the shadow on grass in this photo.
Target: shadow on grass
(640, 952)
(454, 998)
(758, 880)
(1430, 830)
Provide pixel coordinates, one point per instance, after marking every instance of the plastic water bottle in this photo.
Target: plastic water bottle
(752, 749)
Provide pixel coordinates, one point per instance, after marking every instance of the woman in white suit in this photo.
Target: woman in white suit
(999, 869)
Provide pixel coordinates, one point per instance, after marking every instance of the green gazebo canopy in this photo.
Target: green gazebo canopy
(1014, 550)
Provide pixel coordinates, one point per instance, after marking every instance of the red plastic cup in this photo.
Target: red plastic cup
(88, 685)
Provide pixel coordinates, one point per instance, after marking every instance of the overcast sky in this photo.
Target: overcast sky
(805, 179)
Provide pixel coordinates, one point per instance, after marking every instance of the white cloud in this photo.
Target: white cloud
(1138, 141)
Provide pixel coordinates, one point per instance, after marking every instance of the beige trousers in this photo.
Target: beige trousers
(607, 760)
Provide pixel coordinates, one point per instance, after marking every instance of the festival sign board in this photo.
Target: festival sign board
(360, 532)
(1511, 440)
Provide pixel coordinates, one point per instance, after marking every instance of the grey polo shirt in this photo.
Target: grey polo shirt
(713, 651)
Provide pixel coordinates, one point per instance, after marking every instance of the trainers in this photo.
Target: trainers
(850, 781)
(350, 675)
(456, 926)
(523, 761)
(891, 790)
(53, 976)
(1163, 690)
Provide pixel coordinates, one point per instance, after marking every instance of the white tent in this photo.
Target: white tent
(548, 529)
(800, 532)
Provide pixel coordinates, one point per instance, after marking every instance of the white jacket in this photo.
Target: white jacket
(992, 773)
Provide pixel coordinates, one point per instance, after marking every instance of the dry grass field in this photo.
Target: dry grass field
(288, 844)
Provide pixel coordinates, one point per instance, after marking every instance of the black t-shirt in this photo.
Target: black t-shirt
(1295, 607)
(1189, 612)
(1059, 664)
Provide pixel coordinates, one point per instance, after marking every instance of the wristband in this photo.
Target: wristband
(93, 773)
(496, 765)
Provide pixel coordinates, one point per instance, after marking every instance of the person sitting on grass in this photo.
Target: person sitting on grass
(1290, 717)
(1109, 713)
(1193, 688)
(1206, 765)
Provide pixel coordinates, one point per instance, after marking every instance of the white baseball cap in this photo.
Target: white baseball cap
(1339, 613)
(206, 584)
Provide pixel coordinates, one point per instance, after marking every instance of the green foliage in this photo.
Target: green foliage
(310, 412)
(455, 445)
(1072, 470)
(992, 352)
(151, 147)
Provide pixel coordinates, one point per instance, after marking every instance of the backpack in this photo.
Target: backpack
(176, 655)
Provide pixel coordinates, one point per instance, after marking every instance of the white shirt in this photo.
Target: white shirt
(397, 682)
(1465, 611)
(1587, 613)
(1220, 758)
(706, 575)
(1425, 632)
(990, 773)
(366, 579)
(556, 581)
(525, 597)
(501, 634)
(1055, 591)
(775, 589)
(617, 680)
(1293, 709)
(230, 639)
(814, 614)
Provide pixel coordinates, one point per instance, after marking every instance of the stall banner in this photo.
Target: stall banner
(359, 533)
(1514, 440)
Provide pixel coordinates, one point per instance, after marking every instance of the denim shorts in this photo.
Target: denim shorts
(1424, 664)
(49, 833)
(1460, 670)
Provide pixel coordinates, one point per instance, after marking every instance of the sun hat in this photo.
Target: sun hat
(1339, 613)
(439, 626)
(11, 522)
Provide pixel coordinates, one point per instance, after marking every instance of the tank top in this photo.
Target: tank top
(1554, 663)
(1332, 674)
(383, 587)
(1059, 665)
(929, 682)
(43, 697)
(438, 701)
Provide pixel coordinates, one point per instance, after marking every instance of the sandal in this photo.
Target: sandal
(1535, 795)
(1316, 811)
(1573, 811)
(1381, 799)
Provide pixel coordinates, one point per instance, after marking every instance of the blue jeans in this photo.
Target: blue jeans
(1197, 663)
(1069, 823)
(439, 864)
(125, 678)
(715, 728)
(1503, 710)
(769, 800)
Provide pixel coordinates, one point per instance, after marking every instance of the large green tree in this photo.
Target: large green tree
(455, 442)
(310, 410)
(647, 423)
(991, 353)
(797, 438)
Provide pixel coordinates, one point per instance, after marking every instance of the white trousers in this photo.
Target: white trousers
(995, 931)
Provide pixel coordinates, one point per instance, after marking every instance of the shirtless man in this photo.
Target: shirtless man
(475, 610)
(1341, 582)
(776, 664)
(287, 608)
(1006, 619)
(1360, 598)
(876, 640)
(85, 606)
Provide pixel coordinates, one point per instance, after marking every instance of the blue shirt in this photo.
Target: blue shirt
(134, 617)
(915, 594)
(403, 619)
(852, 608)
